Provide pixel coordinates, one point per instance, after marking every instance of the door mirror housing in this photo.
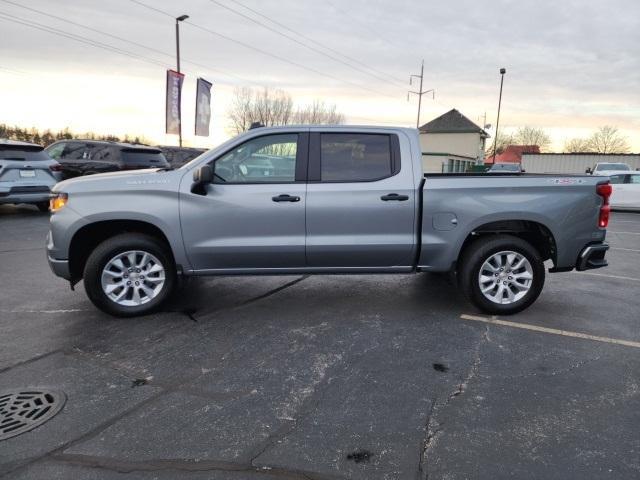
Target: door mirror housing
(201, 178)
(588, 171)
(203, 175)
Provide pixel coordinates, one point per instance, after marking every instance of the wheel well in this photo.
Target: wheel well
(88, 237)
(539, 236)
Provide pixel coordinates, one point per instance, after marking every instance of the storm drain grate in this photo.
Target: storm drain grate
(21, 411)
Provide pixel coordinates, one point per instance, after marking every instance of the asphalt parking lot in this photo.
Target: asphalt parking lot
(325, 377)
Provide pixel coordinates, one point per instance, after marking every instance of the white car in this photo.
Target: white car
(606, 169)
(626, 191)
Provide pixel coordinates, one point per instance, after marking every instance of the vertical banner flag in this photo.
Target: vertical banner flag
(174, 94)
(203, 107)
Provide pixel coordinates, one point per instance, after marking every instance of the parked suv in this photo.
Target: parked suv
(86, 157)
(27, 174)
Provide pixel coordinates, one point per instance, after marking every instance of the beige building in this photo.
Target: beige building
(451, 143)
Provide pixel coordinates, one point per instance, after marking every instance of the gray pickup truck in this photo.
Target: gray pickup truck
(326, 200)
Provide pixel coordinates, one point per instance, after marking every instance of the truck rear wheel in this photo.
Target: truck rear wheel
(128, 275)
(501, 274)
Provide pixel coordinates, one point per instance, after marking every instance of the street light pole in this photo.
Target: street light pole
(178, 20)
(495, 140)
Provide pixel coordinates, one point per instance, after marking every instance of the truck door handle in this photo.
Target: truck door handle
(394, 196)
(285, 198)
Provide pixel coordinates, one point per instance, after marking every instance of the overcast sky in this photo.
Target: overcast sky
(572, 65)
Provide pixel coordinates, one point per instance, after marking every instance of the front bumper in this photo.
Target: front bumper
(59, 267)
(592, 256)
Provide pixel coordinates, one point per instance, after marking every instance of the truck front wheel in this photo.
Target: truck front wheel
(130, 274)
(501, 274)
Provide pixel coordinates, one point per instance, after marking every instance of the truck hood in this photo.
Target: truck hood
(128, 178)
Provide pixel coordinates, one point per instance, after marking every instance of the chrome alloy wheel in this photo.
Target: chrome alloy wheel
(505, 277)
(132, 278)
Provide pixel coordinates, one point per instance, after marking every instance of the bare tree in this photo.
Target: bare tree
(276, 108)
(266, 107)
(523, 136)
(504, 140)
(577, 145)
(318, 113)
(532, 136)
(608, 139)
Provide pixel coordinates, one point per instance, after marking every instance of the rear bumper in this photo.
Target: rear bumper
(24, 197)
(592, 257)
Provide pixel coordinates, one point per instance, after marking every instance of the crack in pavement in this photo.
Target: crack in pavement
(30, 360)
(308, 405)
(433, 428)
(181, 465)
(272, 292)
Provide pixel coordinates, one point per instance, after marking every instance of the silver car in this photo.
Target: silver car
(27, 174)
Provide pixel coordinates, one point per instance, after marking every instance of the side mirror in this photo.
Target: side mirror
(201, 178)
(588, 171)
(523, 171)
(203, 175)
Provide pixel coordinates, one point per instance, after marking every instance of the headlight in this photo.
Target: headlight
(57, 201)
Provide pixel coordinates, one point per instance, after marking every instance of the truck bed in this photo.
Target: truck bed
(457, 205)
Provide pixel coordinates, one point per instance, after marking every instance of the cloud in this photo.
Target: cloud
(570, 63)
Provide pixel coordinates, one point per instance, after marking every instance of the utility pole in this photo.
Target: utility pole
(495, 140)
(420, 92)
(178, 20)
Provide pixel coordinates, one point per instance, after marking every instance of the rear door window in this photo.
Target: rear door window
(101, 153)
(617, 178)
(75, 151)
(348, 157)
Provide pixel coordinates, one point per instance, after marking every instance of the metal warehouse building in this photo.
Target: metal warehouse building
(574, 162)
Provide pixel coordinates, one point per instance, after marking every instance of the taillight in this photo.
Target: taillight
(56, 167)
(604, 190)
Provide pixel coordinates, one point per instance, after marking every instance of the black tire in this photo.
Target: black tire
(474, 257)
(107, 250)
(43, 206)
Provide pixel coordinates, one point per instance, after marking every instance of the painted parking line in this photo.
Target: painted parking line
(552, 331)
(625, 249)
(624, 233)
(609, 276)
